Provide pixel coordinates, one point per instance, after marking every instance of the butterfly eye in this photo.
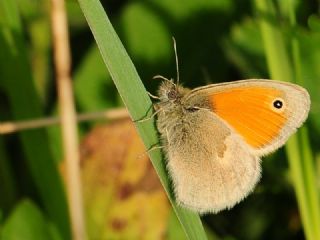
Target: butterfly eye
(278, 105)
(172, 95)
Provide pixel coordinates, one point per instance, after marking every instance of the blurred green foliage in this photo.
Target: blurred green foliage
(217, 41)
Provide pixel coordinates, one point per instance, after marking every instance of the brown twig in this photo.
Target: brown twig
(11, 127)
(68, 117)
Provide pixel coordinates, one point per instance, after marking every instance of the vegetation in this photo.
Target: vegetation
(217, 41)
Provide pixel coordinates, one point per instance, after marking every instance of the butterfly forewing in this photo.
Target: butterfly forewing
(263, 112)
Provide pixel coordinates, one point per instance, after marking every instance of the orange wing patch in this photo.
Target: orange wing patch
(249, 111)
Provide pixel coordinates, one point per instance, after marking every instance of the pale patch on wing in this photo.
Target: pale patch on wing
(211, 167)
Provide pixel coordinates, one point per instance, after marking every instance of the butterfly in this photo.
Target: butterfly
(214, 136)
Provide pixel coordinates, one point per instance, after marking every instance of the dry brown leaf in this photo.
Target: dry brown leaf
(122, 193)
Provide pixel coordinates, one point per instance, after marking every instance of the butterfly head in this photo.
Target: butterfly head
(170, 92)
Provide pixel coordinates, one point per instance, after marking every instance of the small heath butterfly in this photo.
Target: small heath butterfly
(214, 136)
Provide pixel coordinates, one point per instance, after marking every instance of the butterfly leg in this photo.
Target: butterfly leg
(148, 118)
(152, 148)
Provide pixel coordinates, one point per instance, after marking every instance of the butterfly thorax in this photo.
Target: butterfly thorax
(174, 107)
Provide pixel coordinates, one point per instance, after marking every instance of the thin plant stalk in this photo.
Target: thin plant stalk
(12, 127)
(68, 118)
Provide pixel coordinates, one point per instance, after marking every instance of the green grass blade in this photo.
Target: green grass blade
(297, 148)
(136, 100)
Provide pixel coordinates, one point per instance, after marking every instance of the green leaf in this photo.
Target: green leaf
(314, 23)
(28, 223)
(136, 100)
(139, 20)
(94, 90)
(245, 49)
(190, 7)
(310, 71)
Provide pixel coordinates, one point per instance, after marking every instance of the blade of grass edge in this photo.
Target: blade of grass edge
(136, 100)
(280, 68)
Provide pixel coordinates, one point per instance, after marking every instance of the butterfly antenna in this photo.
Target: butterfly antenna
(177, 62)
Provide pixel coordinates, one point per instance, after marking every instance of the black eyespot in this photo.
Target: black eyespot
(278, 104)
